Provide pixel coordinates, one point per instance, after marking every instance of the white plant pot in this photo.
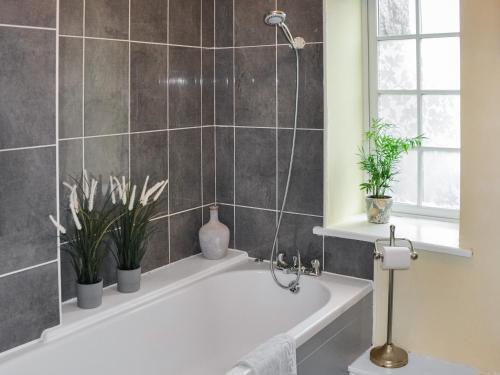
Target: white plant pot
(378, 210)
(214, 236)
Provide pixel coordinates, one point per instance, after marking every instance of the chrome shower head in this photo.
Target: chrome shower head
(275, 18)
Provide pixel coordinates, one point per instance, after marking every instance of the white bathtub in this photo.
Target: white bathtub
(179, 324)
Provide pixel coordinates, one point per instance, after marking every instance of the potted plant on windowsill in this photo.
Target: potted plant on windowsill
(133, 229)
(380, 163)
(84, 242)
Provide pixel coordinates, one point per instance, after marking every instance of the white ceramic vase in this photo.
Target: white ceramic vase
(214, 236)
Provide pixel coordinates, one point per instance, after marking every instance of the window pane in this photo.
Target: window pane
(397, 65)
(441, 179)
(396, 17)
(441, 64)
(441, 120)
(406, 187)
(440, 16)
(400, 110)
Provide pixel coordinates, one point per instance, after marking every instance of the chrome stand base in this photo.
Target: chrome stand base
(389, 356)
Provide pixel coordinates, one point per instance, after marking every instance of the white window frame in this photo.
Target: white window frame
(373, 93)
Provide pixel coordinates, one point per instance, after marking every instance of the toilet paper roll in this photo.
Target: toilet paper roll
(396, 258)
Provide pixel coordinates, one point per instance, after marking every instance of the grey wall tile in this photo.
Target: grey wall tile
(185, 169)
(27, 197)
(223, 23)
(107, 18)
(226, 216)
(255, 86)
(70, 167)
(249, 25)
(184, 87)
(349, 257)
(27, 105)
(310, 113)
(148, 87)
(106, 87)
(296, 233)
(208, 79)
(157, 254)
(70, 87)
(224, 87)
(256, 167)
(71, 17)
(149, 157)
(40, 13)
(208, 157)
(105, 156)
(185, 22)
(224, 138)
(305, 18)
(68, 277)
(305, 193)
(184, 229)
(149, 20)
(254, 231)
(207, 23)
(30, 304)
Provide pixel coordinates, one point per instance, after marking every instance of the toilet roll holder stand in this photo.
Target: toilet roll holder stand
(390, 355)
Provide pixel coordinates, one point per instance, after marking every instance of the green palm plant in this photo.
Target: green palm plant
(381, 160)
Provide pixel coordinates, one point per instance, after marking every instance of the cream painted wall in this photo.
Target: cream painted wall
(446, 306)
(344, 107)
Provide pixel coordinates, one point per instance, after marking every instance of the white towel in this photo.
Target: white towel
(277, 356)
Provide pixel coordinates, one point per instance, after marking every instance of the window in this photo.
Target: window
(414, 65)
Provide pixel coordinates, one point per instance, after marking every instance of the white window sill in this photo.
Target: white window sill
(426, 234)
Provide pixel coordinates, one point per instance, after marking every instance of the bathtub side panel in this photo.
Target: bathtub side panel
(334, 348)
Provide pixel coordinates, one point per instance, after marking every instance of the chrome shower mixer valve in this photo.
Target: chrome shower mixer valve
(297, 267)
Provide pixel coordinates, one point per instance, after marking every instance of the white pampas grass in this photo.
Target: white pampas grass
(59, 227)
(112, 189)
(144, 188)
(86, 188)
(165, 183)
(70, 187)
(132, 198)
(73, 207)
(93, 189)
(125, 190)
(150, 192)
(119, 187)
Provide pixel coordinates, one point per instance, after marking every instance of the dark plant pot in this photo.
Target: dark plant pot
(89, 296)
(129, 281)
(378, 210)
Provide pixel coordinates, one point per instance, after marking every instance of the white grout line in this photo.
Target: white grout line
(182, 212)
(29, 268)
(58, 214)
(202, 83)
(28, 27)
(83, 84)
(214, 109)
(266, 127)
(26, 148)
(129, 90)
(262, 45)
(270, 210)
(168, 133)
(276, 124)
(234, 129)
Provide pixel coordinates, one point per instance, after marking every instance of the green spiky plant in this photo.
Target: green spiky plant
(88, 227)
(132, 231)
(380, 162)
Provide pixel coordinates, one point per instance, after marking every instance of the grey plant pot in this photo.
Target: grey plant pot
(89, 296)
(378, 210)
(129, 281)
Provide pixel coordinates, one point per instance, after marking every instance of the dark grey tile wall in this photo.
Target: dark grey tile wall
(136, 98)
(254, 114)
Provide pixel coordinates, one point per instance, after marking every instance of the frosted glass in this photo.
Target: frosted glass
(441, 179)
(396, 17)
(397, 65)
(441, 120)
(405, 190)
(441, 64)
(440, 16)
(400, 110)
